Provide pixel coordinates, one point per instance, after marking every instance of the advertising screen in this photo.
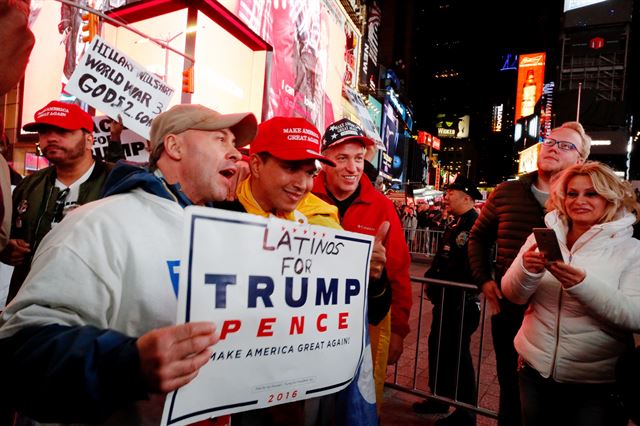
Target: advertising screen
(453, 126)
(230, 85)
(529, 159)
(391, 159)
(530, 82)
(315, 51)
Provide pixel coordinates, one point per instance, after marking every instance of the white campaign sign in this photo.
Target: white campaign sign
(113, 83)
(288, 301)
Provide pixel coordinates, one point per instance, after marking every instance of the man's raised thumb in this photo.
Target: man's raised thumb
(381, 234)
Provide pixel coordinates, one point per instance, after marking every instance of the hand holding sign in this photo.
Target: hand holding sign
(116, 127)
(379, 255)
(171, 357)
(111, 82)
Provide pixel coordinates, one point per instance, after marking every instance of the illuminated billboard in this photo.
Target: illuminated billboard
(529, 159)
(369, 71)
(496, 118)
(230, 85)
(452, 126)
(391, 159)
(575, 4)
(315, 51)
(530, 82)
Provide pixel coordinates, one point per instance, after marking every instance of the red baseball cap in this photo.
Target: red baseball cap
(289, 138)
(60, 114)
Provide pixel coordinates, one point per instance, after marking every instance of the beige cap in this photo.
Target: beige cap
(183, 117)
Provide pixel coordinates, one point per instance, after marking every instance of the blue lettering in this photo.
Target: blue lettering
(265, 290)
(288, 295)
(324, 295)
(353, 288)
(221, 282)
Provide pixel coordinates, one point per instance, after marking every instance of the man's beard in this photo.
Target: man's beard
(69, 155)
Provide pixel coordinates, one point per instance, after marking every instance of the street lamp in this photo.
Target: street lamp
(166, 55)
(468, 167)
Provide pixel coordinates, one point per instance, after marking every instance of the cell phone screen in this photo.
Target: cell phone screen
(548, 243)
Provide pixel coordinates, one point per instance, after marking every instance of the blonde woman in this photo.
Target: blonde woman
(583, 309)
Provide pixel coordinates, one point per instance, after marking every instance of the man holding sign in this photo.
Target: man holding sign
(90, 338)
(283, 165)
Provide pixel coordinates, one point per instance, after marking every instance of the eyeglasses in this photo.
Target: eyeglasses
(563, 145)
(58, 212)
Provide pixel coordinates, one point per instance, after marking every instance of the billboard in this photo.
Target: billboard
(530, 82)
(528, 159)
(546, 114)
(369, 71)
(315, 51)
(496, 118)
(391, 159)
(575, 4)
(230, 85)
(452, 126)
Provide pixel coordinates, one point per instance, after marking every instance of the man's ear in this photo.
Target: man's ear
(173, 146)
(88, 142)
(255, 165)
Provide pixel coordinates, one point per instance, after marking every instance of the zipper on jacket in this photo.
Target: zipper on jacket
(555, 351)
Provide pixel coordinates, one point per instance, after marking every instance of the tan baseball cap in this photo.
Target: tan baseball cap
(183, 117)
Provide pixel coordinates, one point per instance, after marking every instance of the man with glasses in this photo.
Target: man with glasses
(507, 218)
(41, 200)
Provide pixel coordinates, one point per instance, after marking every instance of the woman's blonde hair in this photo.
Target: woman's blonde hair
(618, 193)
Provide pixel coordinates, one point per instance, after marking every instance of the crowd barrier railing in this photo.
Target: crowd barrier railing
(410, 373)
(422, 242)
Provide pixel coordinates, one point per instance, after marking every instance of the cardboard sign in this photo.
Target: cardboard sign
(288, 301)
(134, 145)
(113, 83)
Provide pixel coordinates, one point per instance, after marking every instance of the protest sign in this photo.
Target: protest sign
(288, 301)
(113, 83)
(133, 145)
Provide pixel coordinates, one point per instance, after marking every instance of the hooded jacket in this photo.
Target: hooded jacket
(311, 209)
(577, 334)
(99, 280)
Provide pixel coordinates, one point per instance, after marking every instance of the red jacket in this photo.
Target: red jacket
(365, 215)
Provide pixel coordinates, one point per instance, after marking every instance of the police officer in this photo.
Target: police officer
(446, 345)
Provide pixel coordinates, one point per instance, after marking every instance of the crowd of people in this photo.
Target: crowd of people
(77, 304)
(89, 335)
(81, 272)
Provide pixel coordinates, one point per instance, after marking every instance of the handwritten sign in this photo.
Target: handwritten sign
(289, 304)
(113, 83)
(133, 145)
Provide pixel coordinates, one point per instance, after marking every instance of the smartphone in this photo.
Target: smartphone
(548, 243)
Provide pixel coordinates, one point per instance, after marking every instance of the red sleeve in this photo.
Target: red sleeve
(397, 266)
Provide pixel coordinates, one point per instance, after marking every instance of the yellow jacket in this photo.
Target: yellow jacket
(311, 209)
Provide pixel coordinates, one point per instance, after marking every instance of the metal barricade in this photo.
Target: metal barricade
(422, 242)
(410, 373)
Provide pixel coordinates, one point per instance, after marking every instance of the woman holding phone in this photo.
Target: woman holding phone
(584, 308)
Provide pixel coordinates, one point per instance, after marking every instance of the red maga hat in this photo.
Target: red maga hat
(60, 114)
(289, 138)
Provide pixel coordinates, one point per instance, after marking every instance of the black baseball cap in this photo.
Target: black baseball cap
(343, 131)
(463, 184)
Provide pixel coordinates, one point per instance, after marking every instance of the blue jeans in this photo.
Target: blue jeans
(546, 402)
